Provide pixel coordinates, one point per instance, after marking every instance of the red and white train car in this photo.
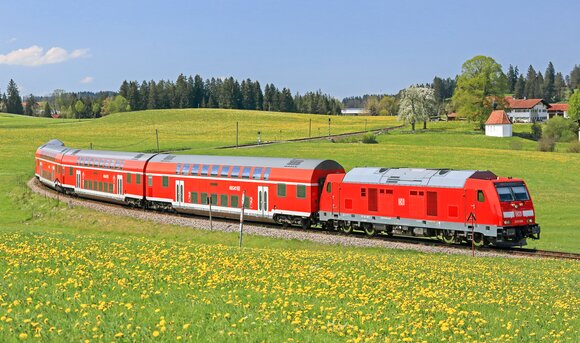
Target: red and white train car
(448, 204)
(281, 190)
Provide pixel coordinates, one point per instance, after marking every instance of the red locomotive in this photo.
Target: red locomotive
(452, 205)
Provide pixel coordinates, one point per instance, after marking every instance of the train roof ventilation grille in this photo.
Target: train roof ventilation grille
(168, 158)
(294, 163)
(393, 179)
(138, 156)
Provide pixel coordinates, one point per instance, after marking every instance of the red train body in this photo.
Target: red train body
(452, 205)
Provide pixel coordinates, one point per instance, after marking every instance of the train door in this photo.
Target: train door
(263, 201)
(119, 184)
(334, 190)
(179, 197)
(78, 179)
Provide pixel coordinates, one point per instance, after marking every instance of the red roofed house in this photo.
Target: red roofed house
(498, 124)
(527, 110)
(558, 110)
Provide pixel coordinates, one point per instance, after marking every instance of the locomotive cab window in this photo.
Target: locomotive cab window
(480, 196)
(512, 191)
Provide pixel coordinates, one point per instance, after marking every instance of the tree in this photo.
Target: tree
(80, 108)
(519, 89)
(559, 87)
(512, 77)
(530, 88)
(481, 77)
(574, 106)
(31, 105)
(574, 79)
(47, 112)
(417, 104)
(372, 106)
(549, 83)
(13, 101)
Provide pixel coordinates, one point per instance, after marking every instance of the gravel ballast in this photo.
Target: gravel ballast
(251, 228)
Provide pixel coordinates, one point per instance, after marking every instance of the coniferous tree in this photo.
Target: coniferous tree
(31, 106)
(519, 89)
(133, 96)
(152, 99)
(47, 112)
(549, 80)
(144, 95)
(539, 86)
(181, 93)
(13, 101)
(559, 87)
(198, 91)
(124, 89)
(530, 88)
(574, 78)
(258, 96)
(512, 76)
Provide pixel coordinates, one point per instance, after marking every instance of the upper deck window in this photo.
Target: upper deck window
(235, 172)
(204, 169)
(225, 171)
(246, 173)
(214, 170)
(257, 174)
(185, 169)
(195, 169)
(267, 174)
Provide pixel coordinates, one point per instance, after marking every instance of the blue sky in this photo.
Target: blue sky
(341, 47)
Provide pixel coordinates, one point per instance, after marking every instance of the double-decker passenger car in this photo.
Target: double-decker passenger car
(282, 190)
(453, 205)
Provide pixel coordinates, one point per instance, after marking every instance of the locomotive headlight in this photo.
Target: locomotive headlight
(530, 220)
(507, 222)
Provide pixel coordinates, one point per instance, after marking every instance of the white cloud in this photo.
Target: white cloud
(87, 79)
(35, 56)
(12, 40)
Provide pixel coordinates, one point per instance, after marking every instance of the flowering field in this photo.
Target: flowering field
(73, 287)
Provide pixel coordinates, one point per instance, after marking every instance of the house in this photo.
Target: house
(353, 111)
(527, 110)
(558, 110)
(452, 116)
(498, 124)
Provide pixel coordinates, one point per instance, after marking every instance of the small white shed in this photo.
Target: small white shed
(498, 124)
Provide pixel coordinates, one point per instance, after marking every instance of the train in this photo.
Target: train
(453, 206)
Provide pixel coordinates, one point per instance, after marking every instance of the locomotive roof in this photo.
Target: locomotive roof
(415, 176)
(273, 162)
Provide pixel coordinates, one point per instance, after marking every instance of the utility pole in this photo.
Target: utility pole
(242, 216)
(157, 139)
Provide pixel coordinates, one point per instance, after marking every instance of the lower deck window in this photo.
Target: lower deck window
(234, 201)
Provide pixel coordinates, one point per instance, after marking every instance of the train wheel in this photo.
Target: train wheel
(305, 223)
(369, 230)
(447, 237)
(479, 240)
(347, 229)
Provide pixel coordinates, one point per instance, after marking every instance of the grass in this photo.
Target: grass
(103, 278)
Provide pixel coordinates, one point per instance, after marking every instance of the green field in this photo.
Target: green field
(72, 274)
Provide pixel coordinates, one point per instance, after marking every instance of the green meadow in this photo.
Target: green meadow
(73, 274)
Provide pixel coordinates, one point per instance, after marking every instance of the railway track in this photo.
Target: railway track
(433, 245)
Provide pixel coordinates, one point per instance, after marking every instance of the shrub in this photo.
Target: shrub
(369, 138)
(546, 144)
(516, 145)
(574, 147)
(536, 131)
(560, 129)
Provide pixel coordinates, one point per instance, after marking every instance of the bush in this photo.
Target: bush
(536, 131)
(369, 138)
(516, 145)
(560, 129)
(574, 147)
(546, 144)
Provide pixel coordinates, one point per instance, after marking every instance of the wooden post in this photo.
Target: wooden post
(157, 139)
(328, 127)
(237, 133)
(310, 128)
(242, 217)
(91, 145)
(210, 220)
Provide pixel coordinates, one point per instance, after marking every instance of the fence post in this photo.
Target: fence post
(242, 217)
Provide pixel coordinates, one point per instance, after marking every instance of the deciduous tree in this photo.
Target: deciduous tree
(417, 104)
(481, 77)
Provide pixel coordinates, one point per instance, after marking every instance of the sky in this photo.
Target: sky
(344, 48)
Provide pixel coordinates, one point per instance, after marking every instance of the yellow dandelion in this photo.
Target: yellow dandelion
(155, 333)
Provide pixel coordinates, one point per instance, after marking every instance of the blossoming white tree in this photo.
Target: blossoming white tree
(417, 104)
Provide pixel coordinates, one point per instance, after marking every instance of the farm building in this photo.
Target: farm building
(527, 110)
(558, 110)
(353, 111)
(498, 124)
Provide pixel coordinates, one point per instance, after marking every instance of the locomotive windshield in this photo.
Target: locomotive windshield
(512, 191)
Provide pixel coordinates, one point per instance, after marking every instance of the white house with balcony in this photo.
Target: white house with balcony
(527, 110)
